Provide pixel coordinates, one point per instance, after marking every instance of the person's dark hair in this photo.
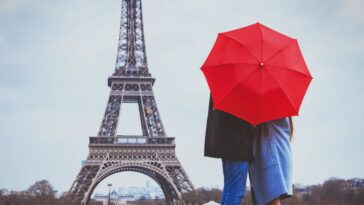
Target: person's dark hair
(291, 127)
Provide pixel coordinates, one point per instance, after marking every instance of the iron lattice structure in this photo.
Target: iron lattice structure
(152, 153)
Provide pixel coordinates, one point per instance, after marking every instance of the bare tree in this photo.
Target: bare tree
(42, 193)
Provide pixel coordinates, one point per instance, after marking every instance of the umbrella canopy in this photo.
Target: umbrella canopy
(257, 74)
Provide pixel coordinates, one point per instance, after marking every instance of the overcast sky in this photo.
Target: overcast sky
(55, 57)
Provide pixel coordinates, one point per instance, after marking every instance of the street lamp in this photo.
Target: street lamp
(109, 185)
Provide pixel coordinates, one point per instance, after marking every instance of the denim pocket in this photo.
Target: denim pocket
(268, 152)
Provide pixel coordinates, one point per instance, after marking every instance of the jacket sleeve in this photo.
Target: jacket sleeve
(209, 134)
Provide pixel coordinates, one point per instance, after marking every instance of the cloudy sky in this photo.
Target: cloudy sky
(55, 57)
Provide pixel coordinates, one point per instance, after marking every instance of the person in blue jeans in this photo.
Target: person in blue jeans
(230, 138)
(235, 174)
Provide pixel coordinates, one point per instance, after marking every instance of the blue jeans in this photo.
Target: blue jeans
(235, 174)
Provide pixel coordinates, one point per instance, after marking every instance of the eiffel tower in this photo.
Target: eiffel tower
(152, 153)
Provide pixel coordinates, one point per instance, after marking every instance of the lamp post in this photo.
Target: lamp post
(109, 185)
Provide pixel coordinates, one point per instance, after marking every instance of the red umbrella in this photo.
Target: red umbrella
(257, 74)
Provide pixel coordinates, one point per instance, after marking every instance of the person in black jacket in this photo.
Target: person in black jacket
(229, 138)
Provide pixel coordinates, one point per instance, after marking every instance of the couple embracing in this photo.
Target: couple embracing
(263, 151)
(257, 79)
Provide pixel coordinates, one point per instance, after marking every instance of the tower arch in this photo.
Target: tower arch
(170, 192)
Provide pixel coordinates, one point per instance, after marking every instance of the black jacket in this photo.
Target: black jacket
(227, 136)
